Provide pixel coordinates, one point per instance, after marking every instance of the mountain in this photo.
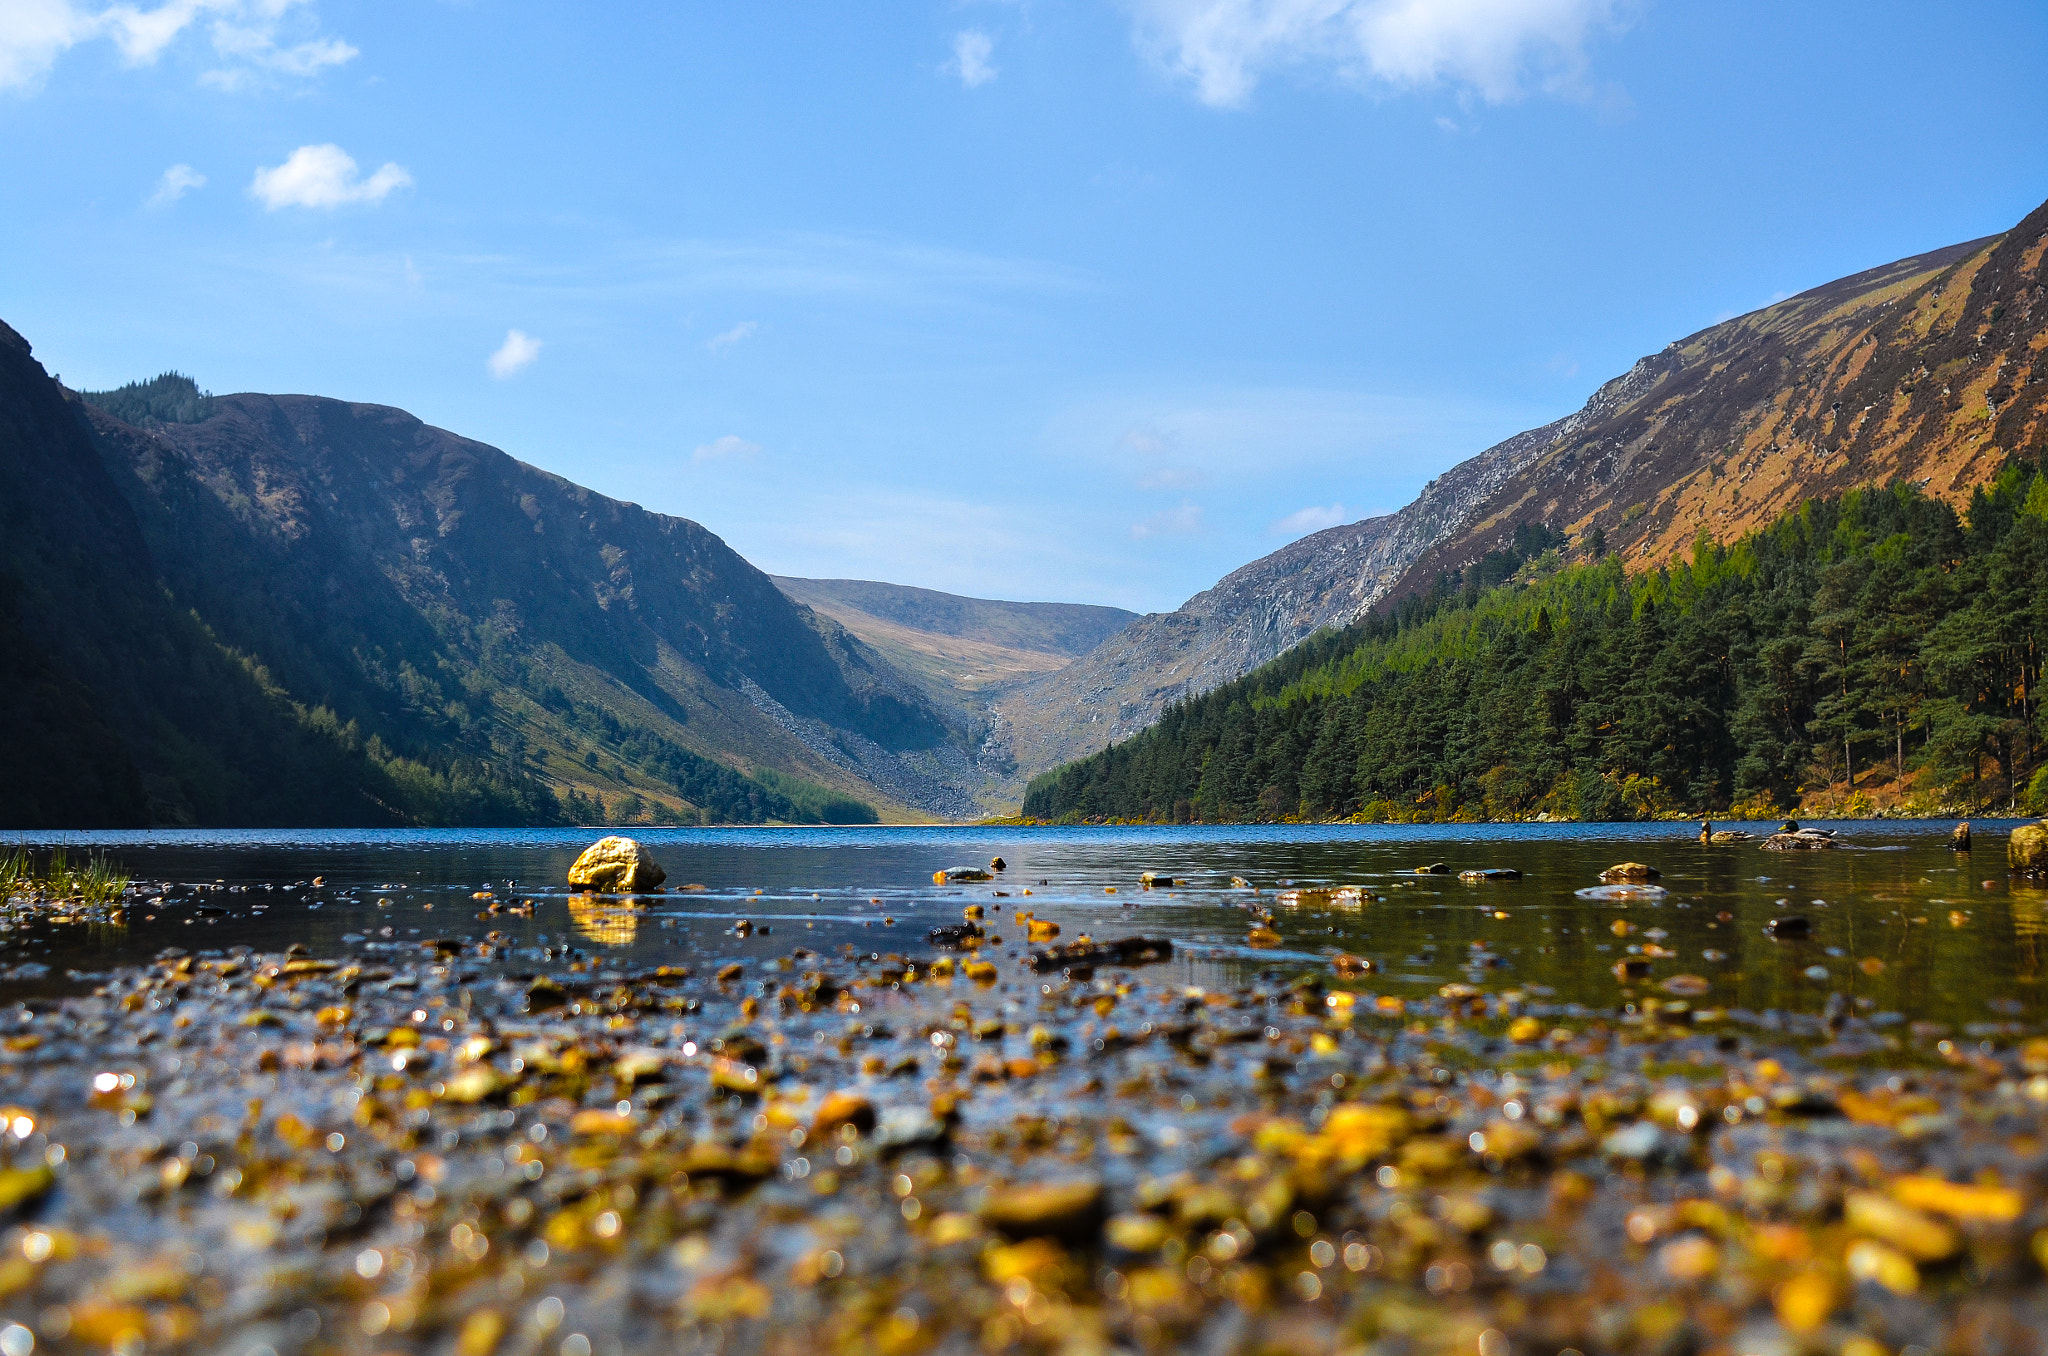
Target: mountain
(969, 653)
(1876, 651)
(1926, 370)
(289, 609)
(120, 707)
(960, 650)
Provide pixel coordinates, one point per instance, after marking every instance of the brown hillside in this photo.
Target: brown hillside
(1927, 370)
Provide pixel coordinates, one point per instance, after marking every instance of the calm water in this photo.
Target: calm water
(1957, 943)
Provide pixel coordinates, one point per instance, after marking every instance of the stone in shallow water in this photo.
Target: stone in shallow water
(1630, 873)
(616, 864)
(2026, 852)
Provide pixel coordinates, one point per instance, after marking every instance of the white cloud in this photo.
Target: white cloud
(731, 445)
(514, 355)
(744, 330)
(176, 182)
(1495, 48)
(324, 176)
(972, 49)
(1314, 518)
(1178, 521)
(249, 36)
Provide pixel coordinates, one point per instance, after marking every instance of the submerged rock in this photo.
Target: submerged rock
(616, 865)
(1630, 873)
(955, 934)
(1799, 840)
(1120, 951)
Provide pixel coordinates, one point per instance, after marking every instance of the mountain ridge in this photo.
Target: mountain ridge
(382, 566)
(1334, 577)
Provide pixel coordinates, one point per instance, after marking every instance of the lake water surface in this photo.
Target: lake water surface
(1899, 923)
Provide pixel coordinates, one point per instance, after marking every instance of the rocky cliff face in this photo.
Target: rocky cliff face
(1924, 369)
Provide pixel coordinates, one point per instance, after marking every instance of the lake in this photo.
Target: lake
(1899, 923)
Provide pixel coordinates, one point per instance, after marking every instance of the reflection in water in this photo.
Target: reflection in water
(604, 920)
(2029, 924)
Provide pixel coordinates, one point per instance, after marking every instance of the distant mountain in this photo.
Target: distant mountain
(1928, 369)
(288, 609)
(1065, 629)
(965, 652)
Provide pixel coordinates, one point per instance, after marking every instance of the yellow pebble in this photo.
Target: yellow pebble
(1805, 1301)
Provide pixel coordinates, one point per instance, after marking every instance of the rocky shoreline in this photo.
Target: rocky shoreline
(863, 1152)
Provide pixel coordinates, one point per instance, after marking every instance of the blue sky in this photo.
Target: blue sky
(1084, 300)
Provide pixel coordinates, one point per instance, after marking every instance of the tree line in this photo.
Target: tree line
(1875, 648)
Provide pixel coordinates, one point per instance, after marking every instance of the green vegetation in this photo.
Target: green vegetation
(172, 398)
(810, 803)
(91, 883)
(1878, 638)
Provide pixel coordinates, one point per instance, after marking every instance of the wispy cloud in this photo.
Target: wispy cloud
(516, 354)
(1146, 442)
(1496, 49)
(972, 49)
(254, 40)
(176, 182)
(730, 447)
(744, 330)
(1314, 518)
(1178, 521)
(324, 176)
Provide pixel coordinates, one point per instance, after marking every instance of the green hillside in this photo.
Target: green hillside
(1873, 649)
(253, 610)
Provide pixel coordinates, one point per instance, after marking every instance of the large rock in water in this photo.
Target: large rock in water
(616, 865)
(2026, 852)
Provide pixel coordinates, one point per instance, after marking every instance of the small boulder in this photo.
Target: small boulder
(1630, 873)
(616, 866)
(2026, 852)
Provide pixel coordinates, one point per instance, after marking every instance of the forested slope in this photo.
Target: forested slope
(1874, 648)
